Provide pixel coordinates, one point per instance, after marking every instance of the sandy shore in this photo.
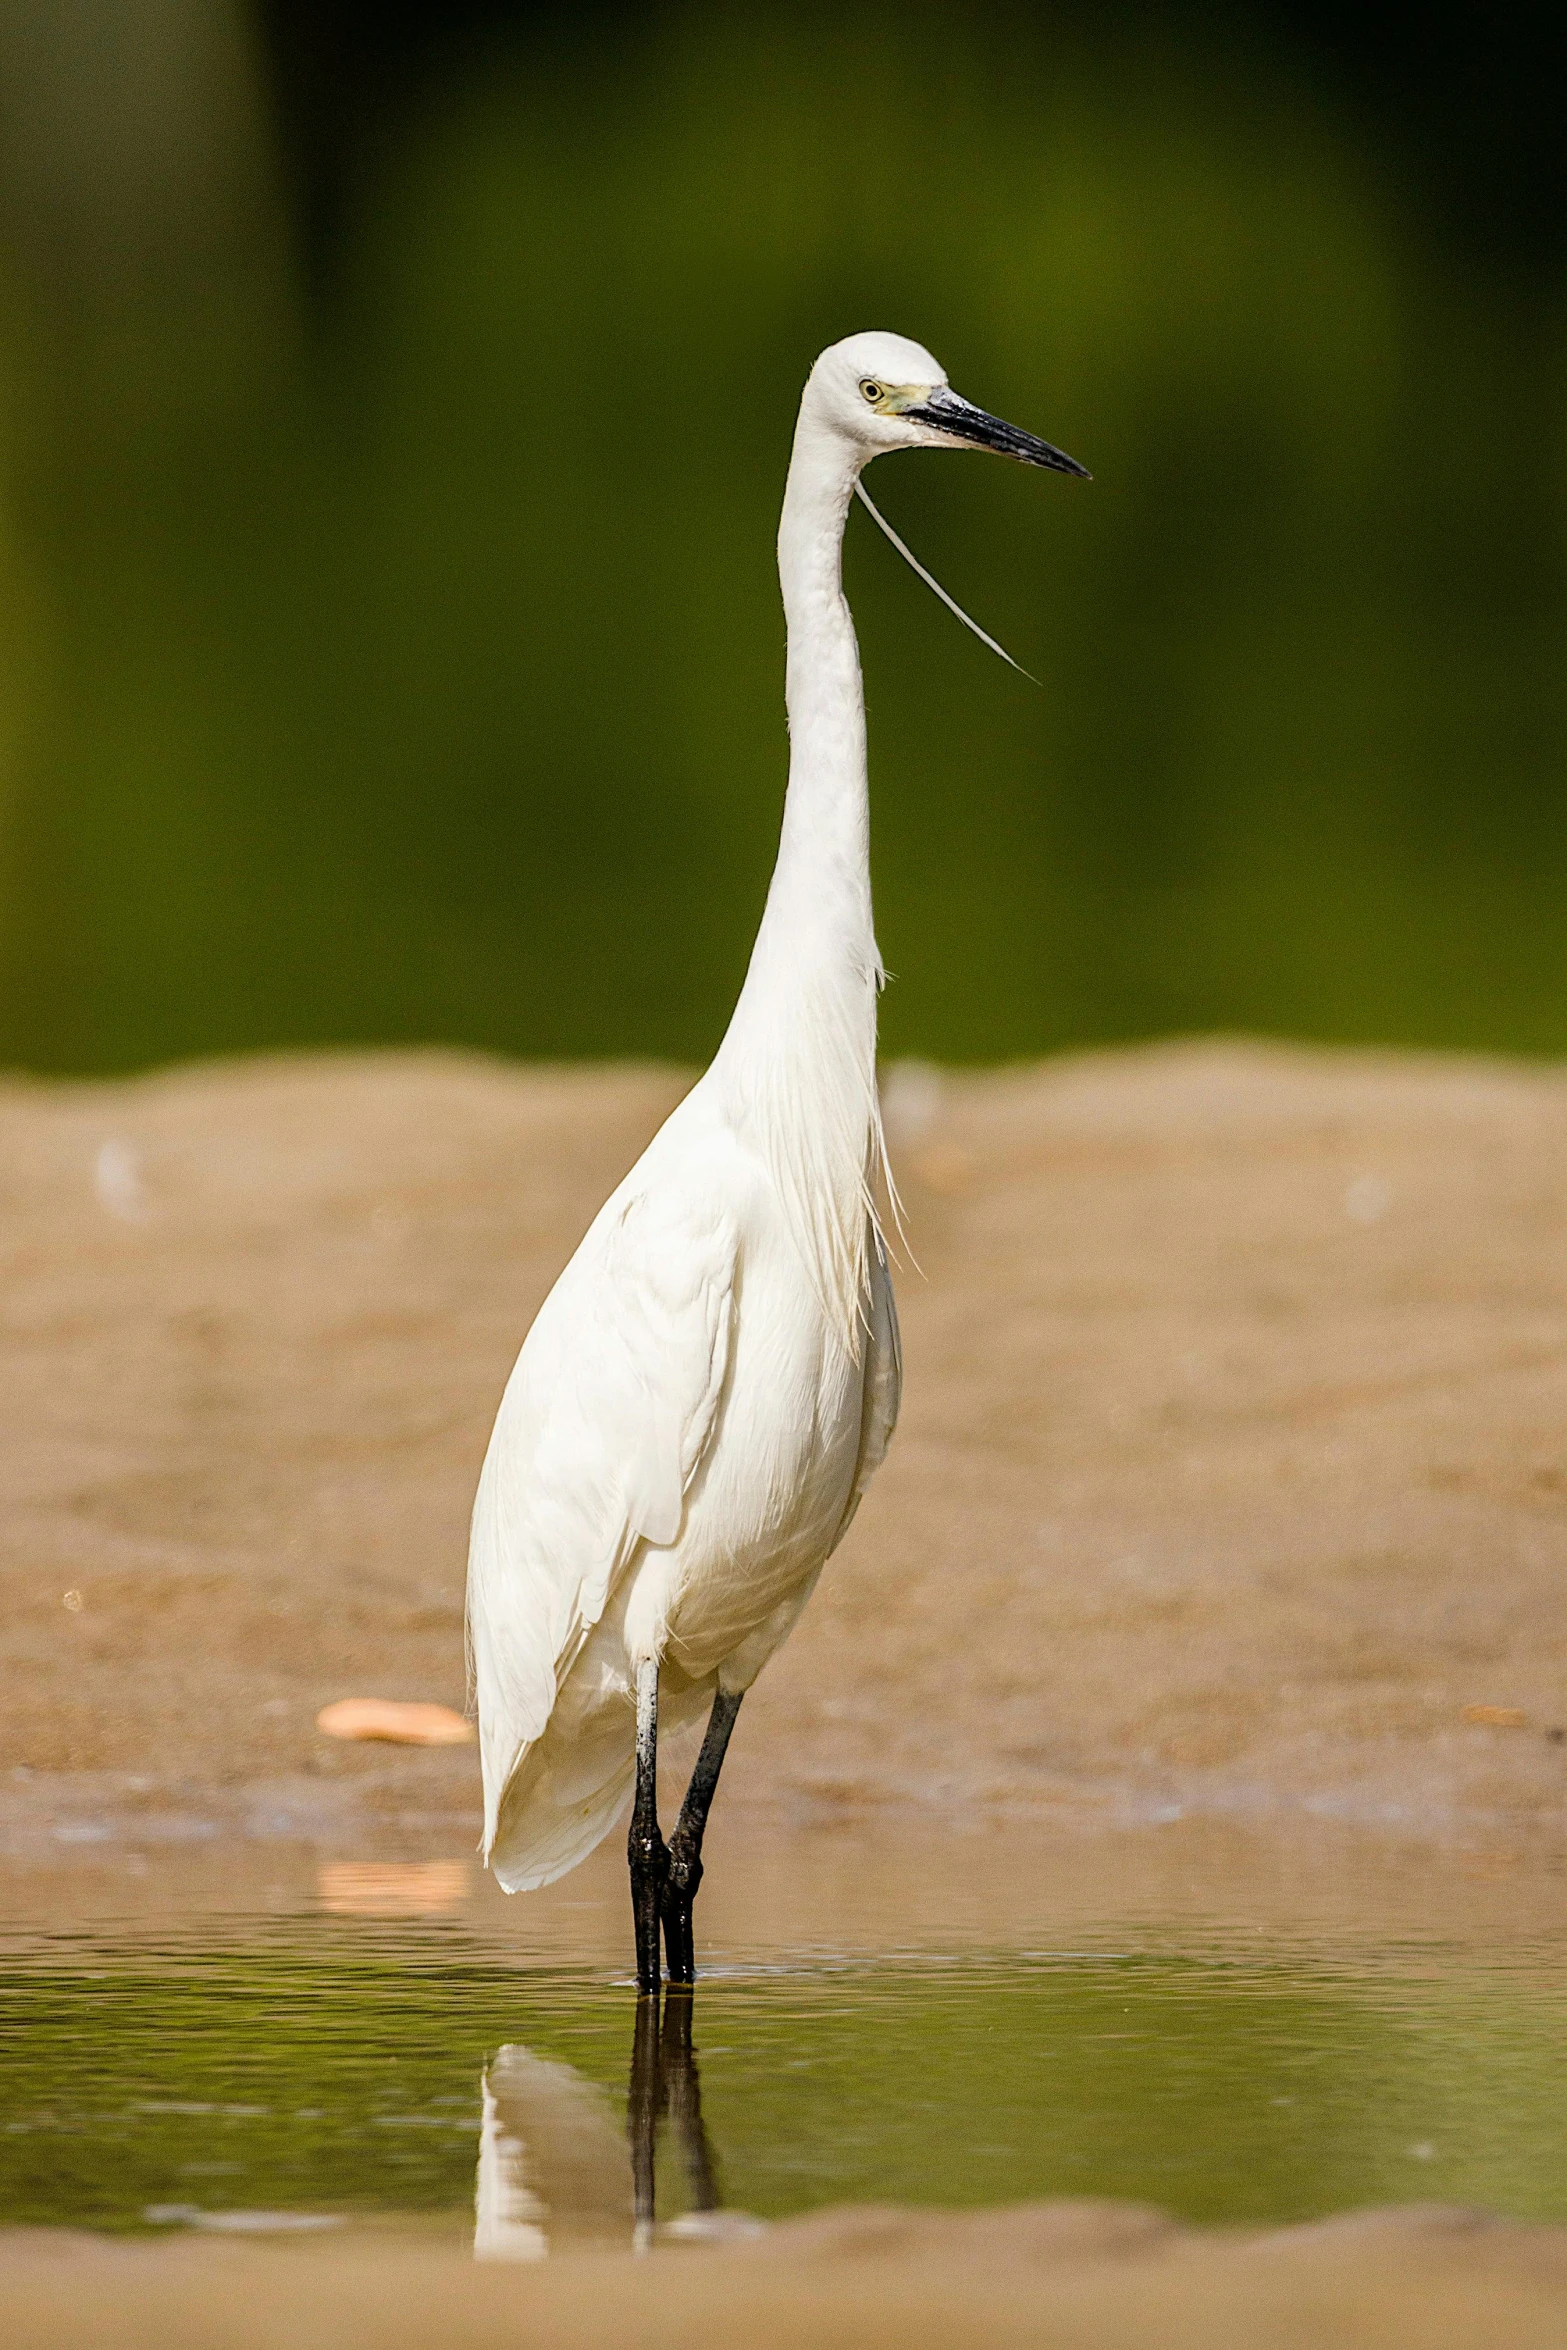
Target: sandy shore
(1230, 1475)
(1075, 2276)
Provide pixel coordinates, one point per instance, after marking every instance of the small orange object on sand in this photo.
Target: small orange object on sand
(1496, 1717)
(392, 1889)
(389, 1717)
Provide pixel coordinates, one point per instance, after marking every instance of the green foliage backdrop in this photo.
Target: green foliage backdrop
(414, 670)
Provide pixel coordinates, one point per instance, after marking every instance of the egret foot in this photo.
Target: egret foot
(680, 1884)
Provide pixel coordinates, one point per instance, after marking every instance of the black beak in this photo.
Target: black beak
(949, 414)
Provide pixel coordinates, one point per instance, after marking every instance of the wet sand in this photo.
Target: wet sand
(860, 1886)
(1230, 1472)
(1076, 2276)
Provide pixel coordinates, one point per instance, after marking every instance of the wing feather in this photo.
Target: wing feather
(605, 1421)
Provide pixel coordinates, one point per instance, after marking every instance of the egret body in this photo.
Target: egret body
(714, 1379)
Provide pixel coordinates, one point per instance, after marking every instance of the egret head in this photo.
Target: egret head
(882, 392)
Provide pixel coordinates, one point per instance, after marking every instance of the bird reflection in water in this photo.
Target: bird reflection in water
(664, 2079)
(553, 2171)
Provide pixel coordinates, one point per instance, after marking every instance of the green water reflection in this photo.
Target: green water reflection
(311, 2073)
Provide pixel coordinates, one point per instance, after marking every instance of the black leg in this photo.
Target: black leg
(643, 2108)
(683, 1865)
(646, 1852)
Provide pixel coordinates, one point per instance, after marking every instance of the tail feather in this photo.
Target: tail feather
(547, 1823)
(567, 1790)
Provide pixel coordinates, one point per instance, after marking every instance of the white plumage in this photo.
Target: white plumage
(714, 1379)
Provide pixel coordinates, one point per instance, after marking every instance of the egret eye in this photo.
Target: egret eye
(873, 391)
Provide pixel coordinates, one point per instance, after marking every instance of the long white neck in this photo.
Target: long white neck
(798, 1063)
(817, 929)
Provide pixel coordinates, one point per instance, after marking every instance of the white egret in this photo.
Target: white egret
(714, 1378)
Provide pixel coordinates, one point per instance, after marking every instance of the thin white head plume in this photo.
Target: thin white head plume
(935, 585)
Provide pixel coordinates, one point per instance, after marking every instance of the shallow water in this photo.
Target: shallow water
(310, 2063)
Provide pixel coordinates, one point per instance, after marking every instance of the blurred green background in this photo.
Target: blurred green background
(394, 407)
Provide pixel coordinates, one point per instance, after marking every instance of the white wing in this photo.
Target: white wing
(604, 1423)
